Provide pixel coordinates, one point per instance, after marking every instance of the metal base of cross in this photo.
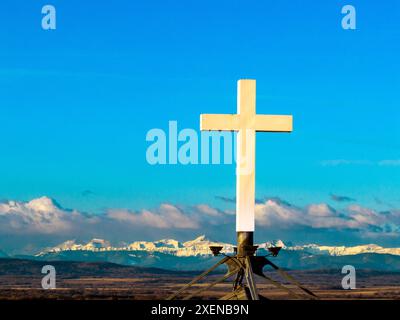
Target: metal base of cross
(243, 266)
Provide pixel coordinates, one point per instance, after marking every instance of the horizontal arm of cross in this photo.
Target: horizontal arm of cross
(234, 122)
(273, 123)
(223, 122)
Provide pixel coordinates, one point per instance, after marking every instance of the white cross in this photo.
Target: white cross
(246, 122)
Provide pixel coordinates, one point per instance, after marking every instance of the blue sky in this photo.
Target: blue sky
(76, 102)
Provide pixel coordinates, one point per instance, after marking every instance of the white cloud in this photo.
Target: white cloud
(273, 213)
(363, 216)
(322, 216)
(40, 215)
(206, 209)
(166, 216)
(44, 215)
(42, 219)
(320, 210)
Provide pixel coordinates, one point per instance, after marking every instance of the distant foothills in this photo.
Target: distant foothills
(195, 254)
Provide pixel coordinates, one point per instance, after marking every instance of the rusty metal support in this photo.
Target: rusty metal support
(243, 265)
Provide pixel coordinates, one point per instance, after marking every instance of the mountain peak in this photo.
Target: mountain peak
(200, 238)
(96, 243)
(279, 243)
(274, 243)
(171, 243)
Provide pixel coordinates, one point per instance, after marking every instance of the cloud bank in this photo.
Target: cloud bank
(43, 222)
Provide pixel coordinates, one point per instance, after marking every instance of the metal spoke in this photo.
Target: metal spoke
(250, 279)
(292, 280)
(278, 285)
(229, 274)
(199, 277)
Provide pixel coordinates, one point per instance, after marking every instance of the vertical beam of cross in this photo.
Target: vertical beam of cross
(245, 156)
(246, 122)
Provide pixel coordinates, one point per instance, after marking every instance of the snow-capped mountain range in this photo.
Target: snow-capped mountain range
(44, 216)
(200, 247)
(196, 247)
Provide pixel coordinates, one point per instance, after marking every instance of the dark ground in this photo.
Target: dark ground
(21, 279)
